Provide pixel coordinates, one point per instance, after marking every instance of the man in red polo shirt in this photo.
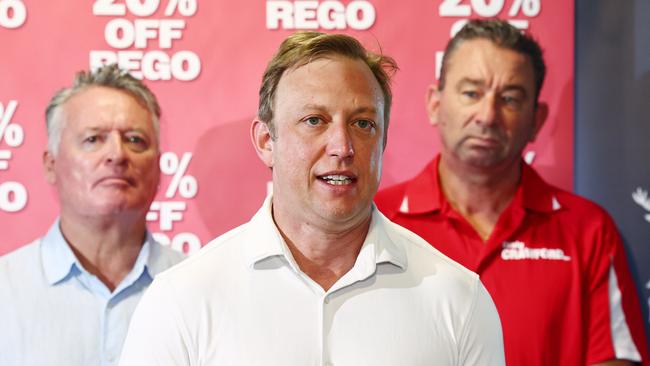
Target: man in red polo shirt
(552, 261)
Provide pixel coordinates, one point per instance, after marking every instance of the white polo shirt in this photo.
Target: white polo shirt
(242, 300)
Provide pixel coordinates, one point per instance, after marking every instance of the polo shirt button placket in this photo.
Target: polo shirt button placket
(110, 355)
(325, 331)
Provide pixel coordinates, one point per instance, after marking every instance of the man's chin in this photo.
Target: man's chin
(344, 214)
(482, 159)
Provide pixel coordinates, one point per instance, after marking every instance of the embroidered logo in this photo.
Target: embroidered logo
(517, 250)
(640, 196)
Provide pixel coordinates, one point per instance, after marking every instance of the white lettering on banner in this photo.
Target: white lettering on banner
(187, 243)
(152, 65)
(13, 195)
(311, 14)
(166, 213)
(13, 13)
(488, 8)
(517, 250)
(121, 34)
(186, 8)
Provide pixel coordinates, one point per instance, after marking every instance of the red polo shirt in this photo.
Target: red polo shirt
(554, 265)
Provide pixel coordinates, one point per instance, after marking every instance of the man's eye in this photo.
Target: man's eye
(135, 139)
(364, 124)
(470, 94)
(509, 99)
(91, 139)
(313, 121)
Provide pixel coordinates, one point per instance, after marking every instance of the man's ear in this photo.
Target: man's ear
(262, 141)
(432, 103)
(541, 114)
(48, 167)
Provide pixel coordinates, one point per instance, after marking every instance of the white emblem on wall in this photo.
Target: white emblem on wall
(640, 196)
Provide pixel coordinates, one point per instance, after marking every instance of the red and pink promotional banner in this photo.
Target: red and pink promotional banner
(204, 60)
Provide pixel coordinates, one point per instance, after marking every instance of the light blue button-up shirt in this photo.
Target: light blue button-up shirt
(54, 312)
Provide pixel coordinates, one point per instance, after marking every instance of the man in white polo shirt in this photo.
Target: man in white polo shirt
(318, 276)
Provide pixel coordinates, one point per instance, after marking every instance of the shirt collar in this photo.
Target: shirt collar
(268, 242)
(423, 194)
(57, 257)
(59, 261)
(535, 194)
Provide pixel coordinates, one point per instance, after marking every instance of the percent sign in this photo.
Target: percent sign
(530, 8)
(11, 133)
(186, 8)
(181, 183)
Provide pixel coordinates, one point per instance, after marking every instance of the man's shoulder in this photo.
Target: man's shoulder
(22, 275)
(165, 256)
(215, 258)
(22, 260)
(424, 257)
(578, 207)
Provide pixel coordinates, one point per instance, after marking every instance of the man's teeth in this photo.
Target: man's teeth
(337, 180)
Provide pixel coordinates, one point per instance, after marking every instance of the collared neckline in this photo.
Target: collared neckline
(57, 257)
(59, 261)
(377, 246)
(536, 194)
(424, 195)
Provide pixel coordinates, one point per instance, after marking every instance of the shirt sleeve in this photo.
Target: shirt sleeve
(157, 333)
(615, 322)
(481, 341)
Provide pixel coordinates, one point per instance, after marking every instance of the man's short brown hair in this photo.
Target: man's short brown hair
(503, 35)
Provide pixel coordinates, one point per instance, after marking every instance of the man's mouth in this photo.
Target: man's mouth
(337, 180)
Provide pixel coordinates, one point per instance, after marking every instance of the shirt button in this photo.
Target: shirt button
(327, 301)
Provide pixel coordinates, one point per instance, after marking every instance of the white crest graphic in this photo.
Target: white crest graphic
(640, 196)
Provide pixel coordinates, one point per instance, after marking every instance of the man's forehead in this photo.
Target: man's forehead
(472, 55)
(322, 71)
(94, 106)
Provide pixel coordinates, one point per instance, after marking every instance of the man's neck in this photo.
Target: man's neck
(479, 195)
(324, 254)
(106, 247)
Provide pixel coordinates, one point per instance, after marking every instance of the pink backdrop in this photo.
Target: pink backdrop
(204, 60)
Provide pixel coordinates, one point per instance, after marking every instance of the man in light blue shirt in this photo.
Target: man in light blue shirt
(67, 298)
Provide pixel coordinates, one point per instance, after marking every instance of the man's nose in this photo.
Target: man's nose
(487, 114)
(339, 140)
(115, 149)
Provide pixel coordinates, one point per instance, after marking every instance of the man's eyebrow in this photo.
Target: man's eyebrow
(371, 110)
(361, 109)
(515, 87)
(474, 82)
(480, 83)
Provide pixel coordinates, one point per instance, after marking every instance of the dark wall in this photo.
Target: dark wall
(612, 128)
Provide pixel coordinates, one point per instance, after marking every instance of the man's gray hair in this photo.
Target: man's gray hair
(108, 76)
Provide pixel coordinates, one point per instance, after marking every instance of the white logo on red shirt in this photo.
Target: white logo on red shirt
(517, 250)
